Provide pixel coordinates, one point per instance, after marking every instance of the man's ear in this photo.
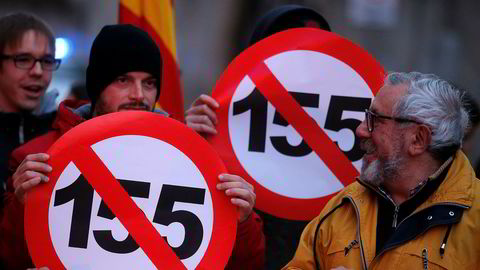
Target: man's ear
(420, 139)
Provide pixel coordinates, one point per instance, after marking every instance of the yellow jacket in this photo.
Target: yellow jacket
(347, 232)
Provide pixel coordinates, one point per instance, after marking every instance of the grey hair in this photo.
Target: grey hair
(435, 103)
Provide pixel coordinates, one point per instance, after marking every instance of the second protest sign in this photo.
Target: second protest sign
(289, 107)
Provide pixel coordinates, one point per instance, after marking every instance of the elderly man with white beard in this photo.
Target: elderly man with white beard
(416, 202)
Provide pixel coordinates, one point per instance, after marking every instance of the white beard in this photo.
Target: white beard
(371, 173)
(382, 169)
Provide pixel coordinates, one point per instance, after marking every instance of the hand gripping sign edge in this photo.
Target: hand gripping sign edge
(131, 123)
(248, 63)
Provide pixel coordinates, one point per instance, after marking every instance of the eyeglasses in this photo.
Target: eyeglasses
(370, 118)
(27, 61)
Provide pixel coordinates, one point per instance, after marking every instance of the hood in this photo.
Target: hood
(286, 17)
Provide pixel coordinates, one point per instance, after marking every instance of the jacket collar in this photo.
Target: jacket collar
(458, 184)
(70, 114)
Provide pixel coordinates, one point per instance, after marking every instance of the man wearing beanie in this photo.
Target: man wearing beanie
(124, 73)
(114, 54)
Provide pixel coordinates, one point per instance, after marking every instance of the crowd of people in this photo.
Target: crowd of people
(414, 205)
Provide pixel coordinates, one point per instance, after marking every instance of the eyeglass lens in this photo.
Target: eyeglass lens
(28, 61)
(369, 120)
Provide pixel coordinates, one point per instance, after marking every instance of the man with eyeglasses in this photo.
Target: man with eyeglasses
(415, 204)
(27, 49)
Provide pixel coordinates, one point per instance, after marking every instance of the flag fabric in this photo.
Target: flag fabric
(157, 17)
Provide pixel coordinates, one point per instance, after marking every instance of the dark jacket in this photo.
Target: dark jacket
(17, 129)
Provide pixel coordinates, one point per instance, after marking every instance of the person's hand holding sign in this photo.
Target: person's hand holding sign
(31, 172)
(201, 116)
(240, 192)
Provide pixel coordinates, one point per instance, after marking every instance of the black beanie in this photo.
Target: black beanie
(119, 49)
(286, 17)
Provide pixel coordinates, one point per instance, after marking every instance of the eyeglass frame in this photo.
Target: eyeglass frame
(370, 119)
(14, 57)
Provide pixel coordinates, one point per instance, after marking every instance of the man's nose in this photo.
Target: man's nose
(136, 92)
(362, 130)
(36, 69)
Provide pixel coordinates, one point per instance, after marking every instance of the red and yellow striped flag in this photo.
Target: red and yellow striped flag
(157, 17)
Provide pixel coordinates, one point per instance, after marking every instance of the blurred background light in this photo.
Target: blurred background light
(62, 48)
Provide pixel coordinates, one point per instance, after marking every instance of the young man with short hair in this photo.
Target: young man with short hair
(27, 60)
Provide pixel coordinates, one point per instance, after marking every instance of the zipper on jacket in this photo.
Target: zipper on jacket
(425, 259)
(397, 207)
(395, 217)
(364, 262)
(350, 246)
(21, 134)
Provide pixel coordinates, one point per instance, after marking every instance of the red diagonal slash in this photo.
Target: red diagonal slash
(129, 214)
(305, 125)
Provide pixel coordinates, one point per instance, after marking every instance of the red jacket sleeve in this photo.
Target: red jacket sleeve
(249, 249)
